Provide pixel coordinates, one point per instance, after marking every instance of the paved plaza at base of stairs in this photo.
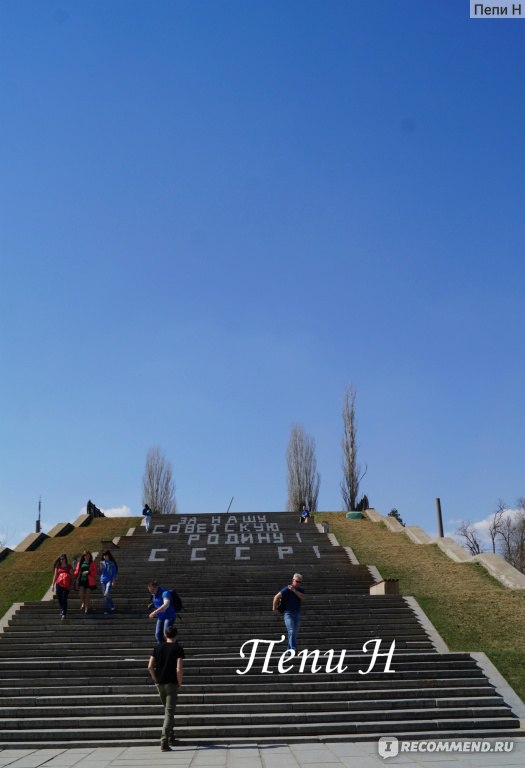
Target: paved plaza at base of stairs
(278, 755)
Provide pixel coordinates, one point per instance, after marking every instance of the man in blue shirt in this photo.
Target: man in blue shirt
(293, 596)
(163, 612)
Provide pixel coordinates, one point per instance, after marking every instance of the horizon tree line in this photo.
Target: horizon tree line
(303, 478)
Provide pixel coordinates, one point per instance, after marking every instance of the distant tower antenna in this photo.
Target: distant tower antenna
(439, 518)
(229, 505)
(37, 528)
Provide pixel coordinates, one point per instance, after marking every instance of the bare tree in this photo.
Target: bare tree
(496, 523)
(506, 531)
(352, 474)
(303, 478)
(157, 482)
(472, 539)
(512, 537)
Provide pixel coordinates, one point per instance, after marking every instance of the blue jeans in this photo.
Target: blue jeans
(108, 600)
(162, 625)
(292, 619)
(168, 696)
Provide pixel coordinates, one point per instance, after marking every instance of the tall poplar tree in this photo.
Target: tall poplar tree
(303, 478)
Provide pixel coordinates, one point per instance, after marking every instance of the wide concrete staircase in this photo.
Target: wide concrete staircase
(84, 682)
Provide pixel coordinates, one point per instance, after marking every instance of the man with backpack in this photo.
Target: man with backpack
(288, 602)
(164, 610)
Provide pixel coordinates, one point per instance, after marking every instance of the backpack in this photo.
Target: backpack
(176, 601)
(281, 605)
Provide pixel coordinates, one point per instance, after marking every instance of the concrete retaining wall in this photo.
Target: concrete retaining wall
(4, 552)
(496, 565)
(501, 570)
(82, 520)
(32, 541)
(61, 529)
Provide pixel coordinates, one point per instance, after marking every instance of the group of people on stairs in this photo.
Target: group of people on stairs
(82, 576)
(165, 663)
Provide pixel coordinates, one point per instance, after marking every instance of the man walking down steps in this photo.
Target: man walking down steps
(165, 668)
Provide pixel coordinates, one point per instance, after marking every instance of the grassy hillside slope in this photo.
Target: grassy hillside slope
(470, 609)
(27, 575)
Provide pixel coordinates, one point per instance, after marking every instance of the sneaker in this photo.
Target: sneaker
(62, 617)
(165, 748)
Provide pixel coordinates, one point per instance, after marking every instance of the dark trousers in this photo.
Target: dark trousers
(168, 696)
(62, 595)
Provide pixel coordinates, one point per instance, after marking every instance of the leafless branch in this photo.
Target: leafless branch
(471, 536)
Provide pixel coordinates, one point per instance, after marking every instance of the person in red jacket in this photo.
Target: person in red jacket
(62, 579)
(86, 576)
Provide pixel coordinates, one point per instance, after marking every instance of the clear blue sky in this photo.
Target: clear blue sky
(215, 215)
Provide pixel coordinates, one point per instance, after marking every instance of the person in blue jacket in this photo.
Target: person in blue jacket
(164, 611)
(108, 575)
(293, 596)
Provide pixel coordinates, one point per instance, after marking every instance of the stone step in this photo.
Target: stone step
(313, 634)
(199, 709)
(42, 685)
(209, 664)
(270, 686)
(221, 733)
(366, 604)
(258, 609)
(232, 623)
(144, 649)
(198, 652)
(231, 720)
(245, 740)
(279, 698)
(273, 626)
